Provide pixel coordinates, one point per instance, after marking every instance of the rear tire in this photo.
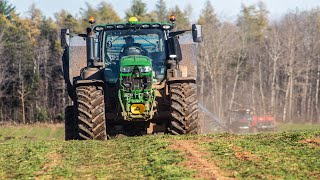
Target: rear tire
(69, 124)
(184, 109)
(90, 113)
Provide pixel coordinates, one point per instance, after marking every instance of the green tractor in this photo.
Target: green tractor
(130, 79)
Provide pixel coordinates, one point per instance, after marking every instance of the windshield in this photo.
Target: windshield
(147, 42)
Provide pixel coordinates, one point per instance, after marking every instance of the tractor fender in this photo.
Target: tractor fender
(182, 80)
(71, 87)
(92, 82)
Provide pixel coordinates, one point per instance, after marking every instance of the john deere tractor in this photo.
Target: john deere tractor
(130, 79)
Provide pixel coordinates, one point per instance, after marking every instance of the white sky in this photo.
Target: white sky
(226, 9)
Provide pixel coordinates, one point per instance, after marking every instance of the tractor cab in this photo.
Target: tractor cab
(122, 42)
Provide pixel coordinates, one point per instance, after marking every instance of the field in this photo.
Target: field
(39, 152)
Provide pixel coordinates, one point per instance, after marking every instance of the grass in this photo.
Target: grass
(128, 158)
(40, 152)
(20, 159)
(140, 157)
(39, 132)
(267, 156)
(284, 127)
(32, 154)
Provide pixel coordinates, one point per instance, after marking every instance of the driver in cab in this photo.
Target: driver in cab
(132, 48)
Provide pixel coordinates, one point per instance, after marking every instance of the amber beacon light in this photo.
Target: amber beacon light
(92, 20)
(172, 18)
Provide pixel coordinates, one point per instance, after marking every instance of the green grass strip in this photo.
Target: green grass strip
(22, 159)
(127, 158)
(267, 156)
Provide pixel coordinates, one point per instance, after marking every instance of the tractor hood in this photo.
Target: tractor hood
(136, 94)
(135, 61)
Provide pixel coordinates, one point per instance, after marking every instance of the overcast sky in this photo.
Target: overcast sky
(226, 9)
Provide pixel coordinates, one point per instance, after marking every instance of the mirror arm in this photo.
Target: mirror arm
(175, 33)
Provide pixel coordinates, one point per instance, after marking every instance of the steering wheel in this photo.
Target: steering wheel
(135, 50)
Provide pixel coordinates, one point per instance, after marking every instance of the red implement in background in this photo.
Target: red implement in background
(263, 123)
(245, 121)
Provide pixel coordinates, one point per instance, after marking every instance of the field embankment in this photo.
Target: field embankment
(39, 152)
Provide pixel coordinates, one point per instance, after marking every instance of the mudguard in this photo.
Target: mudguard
(74, 59)
(182, 80)
(188, 64)
(89, 82)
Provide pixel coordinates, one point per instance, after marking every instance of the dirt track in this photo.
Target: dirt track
(196, 160)
(54, 159)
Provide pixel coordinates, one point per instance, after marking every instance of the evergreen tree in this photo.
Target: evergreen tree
(161, 11)
(208, 16)
(65, 20)
(33, 23)
(103, 14)
(5, 8)
(138, 9)
(253, 20)
(182, 18)
(18, 50)
(106, 14)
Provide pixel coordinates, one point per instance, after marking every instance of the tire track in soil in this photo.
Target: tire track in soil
(13, 132)
(54, 159)
(52, 132)
(315, 142)
(196, 160)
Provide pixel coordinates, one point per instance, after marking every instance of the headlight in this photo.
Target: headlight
(145, 69)
(126, 69)
(166, 27)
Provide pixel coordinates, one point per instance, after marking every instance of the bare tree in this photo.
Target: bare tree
(275, 50)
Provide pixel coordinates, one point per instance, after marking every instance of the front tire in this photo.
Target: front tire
(90, 113)
(184, 109)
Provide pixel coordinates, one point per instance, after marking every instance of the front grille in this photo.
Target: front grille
(136, 82)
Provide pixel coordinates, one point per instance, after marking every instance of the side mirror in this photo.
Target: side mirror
(65, 38)
(196, 33)
(176, 49)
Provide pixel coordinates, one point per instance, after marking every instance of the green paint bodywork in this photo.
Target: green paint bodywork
(136, 95)
(135, 61)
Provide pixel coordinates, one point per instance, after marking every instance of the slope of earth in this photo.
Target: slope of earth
(287, 155)
(39, 152)
(34, 131)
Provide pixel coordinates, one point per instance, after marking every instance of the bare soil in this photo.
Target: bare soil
(53, 130)
(54, 160)
(314, 142)
(244, 155)
(196, 160)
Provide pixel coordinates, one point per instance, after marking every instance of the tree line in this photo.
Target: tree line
(32, 88)
(272, 66)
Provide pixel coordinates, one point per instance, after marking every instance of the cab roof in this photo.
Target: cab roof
(128, 25)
